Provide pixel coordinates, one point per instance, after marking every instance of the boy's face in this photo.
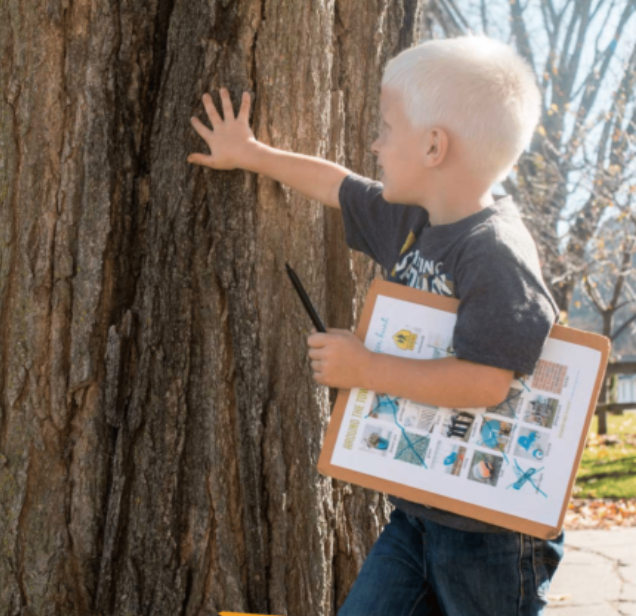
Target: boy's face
(400, 149)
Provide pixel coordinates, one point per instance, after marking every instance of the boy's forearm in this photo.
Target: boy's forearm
(447, 382)
(315, 177)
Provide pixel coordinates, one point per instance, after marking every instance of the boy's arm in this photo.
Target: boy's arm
(340, 359)
(447, 382)
(314, 177)
(233, 146)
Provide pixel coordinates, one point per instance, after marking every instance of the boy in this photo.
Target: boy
(457, 113)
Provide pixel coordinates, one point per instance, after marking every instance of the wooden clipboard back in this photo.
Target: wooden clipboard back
(448, 304)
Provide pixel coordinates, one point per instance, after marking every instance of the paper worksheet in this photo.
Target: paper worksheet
(516, 458)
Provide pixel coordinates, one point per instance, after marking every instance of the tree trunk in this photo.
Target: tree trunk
(608, 317)
(602, 413)
(159, 428)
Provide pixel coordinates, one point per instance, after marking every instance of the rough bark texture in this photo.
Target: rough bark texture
(159, 428)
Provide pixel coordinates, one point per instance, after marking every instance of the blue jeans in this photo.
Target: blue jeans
(419, 568)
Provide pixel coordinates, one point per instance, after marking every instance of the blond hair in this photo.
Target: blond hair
(475, 87)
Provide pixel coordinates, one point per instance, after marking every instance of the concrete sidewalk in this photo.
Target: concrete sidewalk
(597, 576)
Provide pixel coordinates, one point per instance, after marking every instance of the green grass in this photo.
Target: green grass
(617, 424)
(609, 471)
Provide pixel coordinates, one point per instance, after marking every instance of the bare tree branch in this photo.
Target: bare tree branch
(484, 16)
(593, 294)
(595, 76)
(574, 18)
(618, 286)
(575, 58)
(623, 327)
(520, 32)
(445, 18)
(457, 14)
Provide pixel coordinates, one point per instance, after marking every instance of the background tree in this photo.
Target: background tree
(607, 284)
(608, 291)
(159, 428)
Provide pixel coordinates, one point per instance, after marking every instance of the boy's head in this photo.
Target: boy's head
(470, 102)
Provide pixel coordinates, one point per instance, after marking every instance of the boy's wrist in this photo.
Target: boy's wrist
(255, 151)
(368, 371)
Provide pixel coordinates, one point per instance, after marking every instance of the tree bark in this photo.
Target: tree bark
(159, 428)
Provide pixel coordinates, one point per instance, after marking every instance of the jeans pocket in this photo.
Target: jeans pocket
(547, 554)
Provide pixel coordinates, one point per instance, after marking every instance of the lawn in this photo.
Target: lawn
(617, 424)
(609, 470)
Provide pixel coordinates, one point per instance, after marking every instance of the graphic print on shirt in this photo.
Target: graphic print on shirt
(421, 273)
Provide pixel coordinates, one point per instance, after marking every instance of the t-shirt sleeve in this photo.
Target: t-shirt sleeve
(373, 225)
(505, 313)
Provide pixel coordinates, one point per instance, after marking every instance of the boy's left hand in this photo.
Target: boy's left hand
(339, 359)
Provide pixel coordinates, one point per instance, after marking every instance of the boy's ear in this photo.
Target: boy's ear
(435, 146)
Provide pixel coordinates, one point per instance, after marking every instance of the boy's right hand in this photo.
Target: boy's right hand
(231, 139)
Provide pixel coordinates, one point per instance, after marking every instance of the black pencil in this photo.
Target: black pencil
(304, 298)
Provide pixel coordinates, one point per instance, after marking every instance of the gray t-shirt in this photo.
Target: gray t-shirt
(487, 260)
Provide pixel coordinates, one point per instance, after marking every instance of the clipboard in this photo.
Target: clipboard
(492, 475)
